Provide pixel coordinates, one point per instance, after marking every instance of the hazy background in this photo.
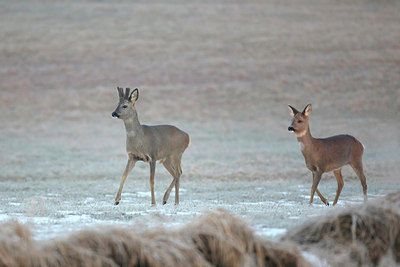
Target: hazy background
(223, 71)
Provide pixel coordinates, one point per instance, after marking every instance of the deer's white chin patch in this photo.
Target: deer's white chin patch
(300, 134)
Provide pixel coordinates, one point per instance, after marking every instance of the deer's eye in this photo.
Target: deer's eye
(124, 106)
(299, 121)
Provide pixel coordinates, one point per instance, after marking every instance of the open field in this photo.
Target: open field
(222, 71)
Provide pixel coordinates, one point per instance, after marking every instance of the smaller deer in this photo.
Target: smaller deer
(165, 143)
(327, 154)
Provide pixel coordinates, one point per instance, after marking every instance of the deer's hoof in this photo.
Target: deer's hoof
(164, 202)
(116, 203)
(327, 203)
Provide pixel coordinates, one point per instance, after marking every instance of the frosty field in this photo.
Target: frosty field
(223, 72)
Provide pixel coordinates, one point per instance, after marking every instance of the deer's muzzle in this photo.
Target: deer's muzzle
(291, 129)
(115, 114)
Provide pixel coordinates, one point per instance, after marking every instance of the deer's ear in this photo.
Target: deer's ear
(307, 110)
(134, 95)
(293, 111)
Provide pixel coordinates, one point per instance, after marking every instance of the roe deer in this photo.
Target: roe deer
(327, 154)
(165, 143)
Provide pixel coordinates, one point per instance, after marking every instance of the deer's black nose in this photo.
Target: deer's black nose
(290, 129)
(115, 114)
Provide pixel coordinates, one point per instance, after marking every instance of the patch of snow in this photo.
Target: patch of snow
(4, 217)
(187, 213)
(314, 260)
(142, 194)
(40, 220)
(142, 213)
(273, 232)
(258, 203)
(76, 218)
(65, 212)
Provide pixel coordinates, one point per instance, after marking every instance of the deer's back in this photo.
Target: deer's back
(342, 142)
(338, 150)
(165, 140)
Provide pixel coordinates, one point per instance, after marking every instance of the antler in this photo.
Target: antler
(127, 93)
(120, 92)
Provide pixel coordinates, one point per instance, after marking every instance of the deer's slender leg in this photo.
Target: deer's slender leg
(166, 195)
(128, 169)
(316, 179)
(340, 183)
(323, 199)
(173, 167)
(358, 169)
(177, 191)
(178, 177)
(152, 171)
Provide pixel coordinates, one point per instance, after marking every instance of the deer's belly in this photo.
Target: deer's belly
(140, 157)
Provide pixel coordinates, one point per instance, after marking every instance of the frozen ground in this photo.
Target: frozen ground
(224, 73)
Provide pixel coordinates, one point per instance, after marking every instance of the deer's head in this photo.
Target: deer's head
(300, 120)
(126, 105)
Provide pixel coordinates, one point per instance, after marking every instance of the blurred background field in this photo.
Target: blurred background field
(222, 71)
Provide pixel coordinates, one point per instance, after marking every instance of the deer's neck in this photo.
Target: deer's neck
(306, 141)
(133, 126)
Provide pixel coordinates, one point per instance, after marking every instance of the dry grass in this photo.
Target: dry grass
(366, 235)
(224, 240)
(214, 239)
(359, 236)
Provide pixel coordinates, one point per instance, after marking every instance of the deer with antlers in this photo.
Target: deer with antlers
(164, 143)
